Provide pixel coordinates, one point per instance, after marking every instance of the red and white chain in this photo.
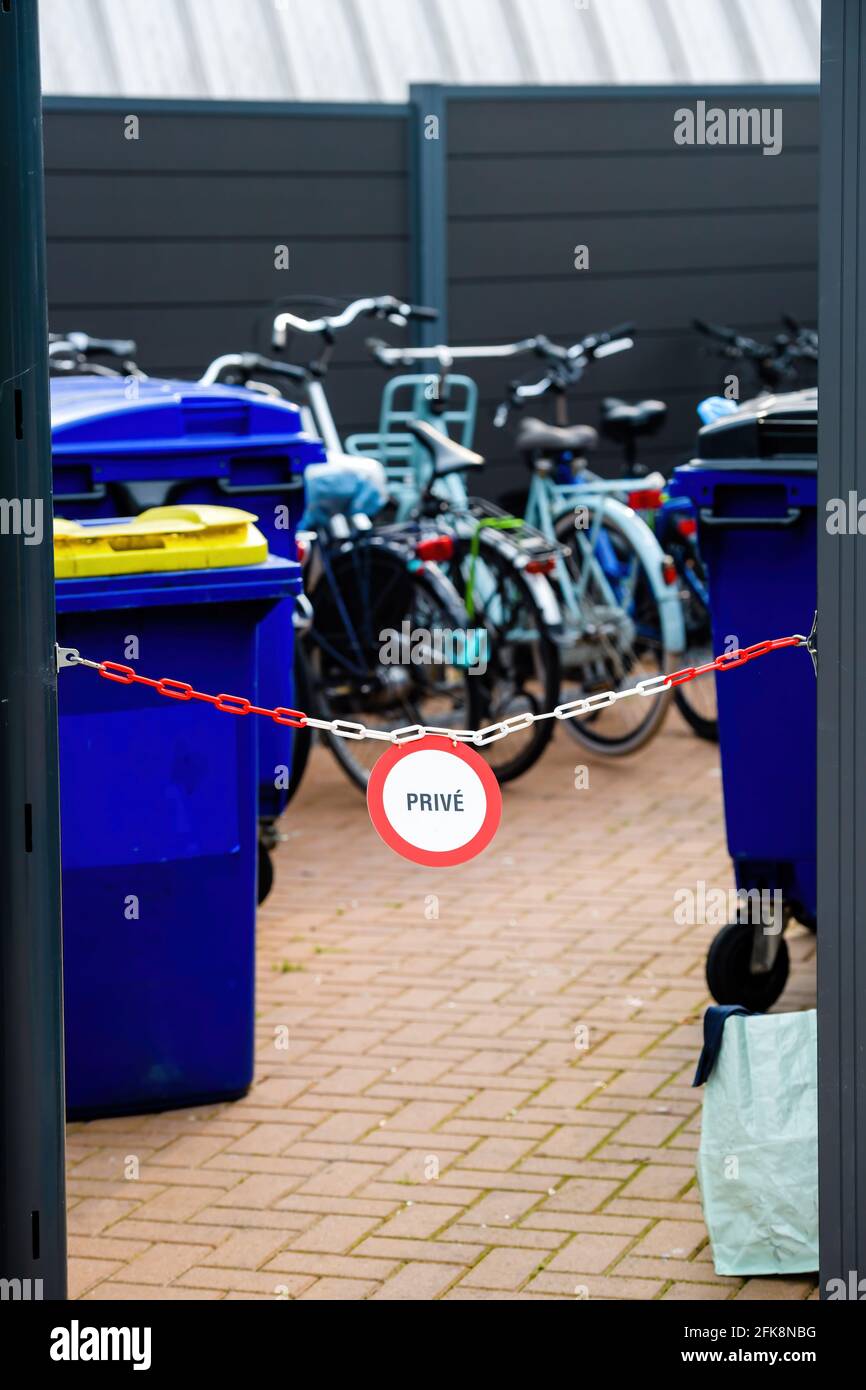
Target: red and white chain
(343, 728)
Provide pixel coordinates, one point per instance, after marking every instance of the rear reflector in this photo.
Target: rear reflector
(544, 566)
(645, 499)
(435, 548)
(669, 571)
(687, 526)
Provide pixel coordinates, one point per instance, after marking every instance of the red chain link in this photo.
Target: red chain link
(179, 690)
(728, 660)
(296, 719)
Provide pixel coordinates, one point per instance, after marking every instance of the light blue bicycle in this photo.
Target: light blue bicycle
(620, 619)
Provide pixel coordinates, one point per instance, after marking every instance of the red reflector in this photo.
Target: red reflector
(301, 548)
(545, 566)
(435, 548)
(687, 526)
(669, 572)
(645, 499)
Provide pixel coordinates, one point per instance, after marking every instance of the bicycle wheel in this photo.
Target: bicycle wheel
(381, 650)
(521, 672)
(696, 700)
(617, 646)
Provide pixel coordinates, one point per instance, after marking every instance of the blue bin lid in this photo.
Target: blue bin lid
(777, 431)
(93, 417)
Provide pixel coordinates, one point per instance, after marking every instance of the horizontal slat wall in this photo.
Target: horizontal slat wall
(170, 238)
(674, 232)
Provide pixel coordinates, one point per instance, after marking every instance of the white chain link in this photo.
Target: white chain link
(479, 738)
(492, 733)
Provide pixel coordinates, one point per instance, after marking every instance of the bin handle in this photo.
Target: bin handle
(96, 494)
(233, 489)
(709, 518)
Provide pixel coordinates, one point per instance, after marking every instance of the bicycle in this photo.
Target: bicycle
(78, 354)
(776, 366)
(619, 616)
(497, 564)
(362, 583)
(365, 583)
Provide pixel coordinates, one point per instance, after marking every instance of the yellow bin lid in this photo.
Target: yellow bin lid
(161, 538)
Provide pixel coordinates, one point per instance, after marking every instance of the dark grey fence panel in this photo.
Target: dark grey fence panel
(842, 662)
(673, 232)
(170, 238)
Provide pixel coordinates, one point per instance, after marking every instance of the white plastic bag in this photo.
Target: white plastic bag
(758, 1156)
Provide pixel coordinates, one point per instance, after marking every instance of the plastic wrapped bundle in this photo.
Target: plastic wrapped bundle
(345, 486)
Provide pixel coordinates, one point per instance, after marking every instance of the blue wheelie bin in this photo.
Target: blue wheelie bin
(121, 444)
(159, 804)
(754, 489)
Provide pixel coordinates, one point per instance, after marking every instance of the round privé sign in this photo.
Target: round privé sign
(434, 801)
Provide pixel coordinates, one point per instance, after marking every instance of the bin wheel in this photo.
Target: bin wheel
(265, 874)
(729, 972)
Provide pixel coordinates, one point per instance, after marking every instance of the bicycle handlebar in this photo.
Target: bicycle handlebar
(244, 364)
(776, 362)
(86, 346)
(567, 365)
(593, 345)
(385, 306)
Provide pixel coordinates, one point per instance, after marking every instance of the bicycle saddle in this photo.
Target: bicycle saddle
(448, 456)
(537, 436)
(619, 420)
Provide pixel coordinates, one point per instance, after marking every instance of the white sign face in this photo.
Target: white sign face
(434, 802)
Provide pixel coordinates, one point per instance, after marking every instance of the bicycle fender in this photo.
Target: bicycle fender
(644, 542)
(539, 586)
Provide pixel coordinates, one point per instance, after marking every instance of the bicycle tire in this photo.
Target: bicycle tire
(586, 730)
(704, 728)
(509, 661)
(699, 649)
(418, 587)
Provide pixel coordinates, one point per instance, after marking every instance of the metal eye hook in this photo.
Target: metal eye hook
(811, 643)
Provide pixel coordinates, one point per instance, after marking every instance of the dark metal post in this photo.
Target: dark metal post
(32, 1205)
(842, 662)
(428, 165)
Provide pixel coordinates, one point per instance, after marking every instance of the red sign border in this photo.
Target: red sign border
(434, 859)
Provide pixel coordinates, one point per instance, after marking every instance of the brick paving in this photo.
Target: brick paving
(471, 1084)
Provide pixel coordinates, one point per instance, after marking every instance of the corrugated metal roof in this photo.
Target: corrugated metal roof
(370, 50)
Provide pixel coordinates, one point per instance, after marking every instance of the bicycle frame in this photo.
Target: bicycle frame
(549, 501)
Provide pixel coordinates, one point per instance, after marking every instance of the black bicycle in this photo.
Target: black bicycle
(384, 641)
